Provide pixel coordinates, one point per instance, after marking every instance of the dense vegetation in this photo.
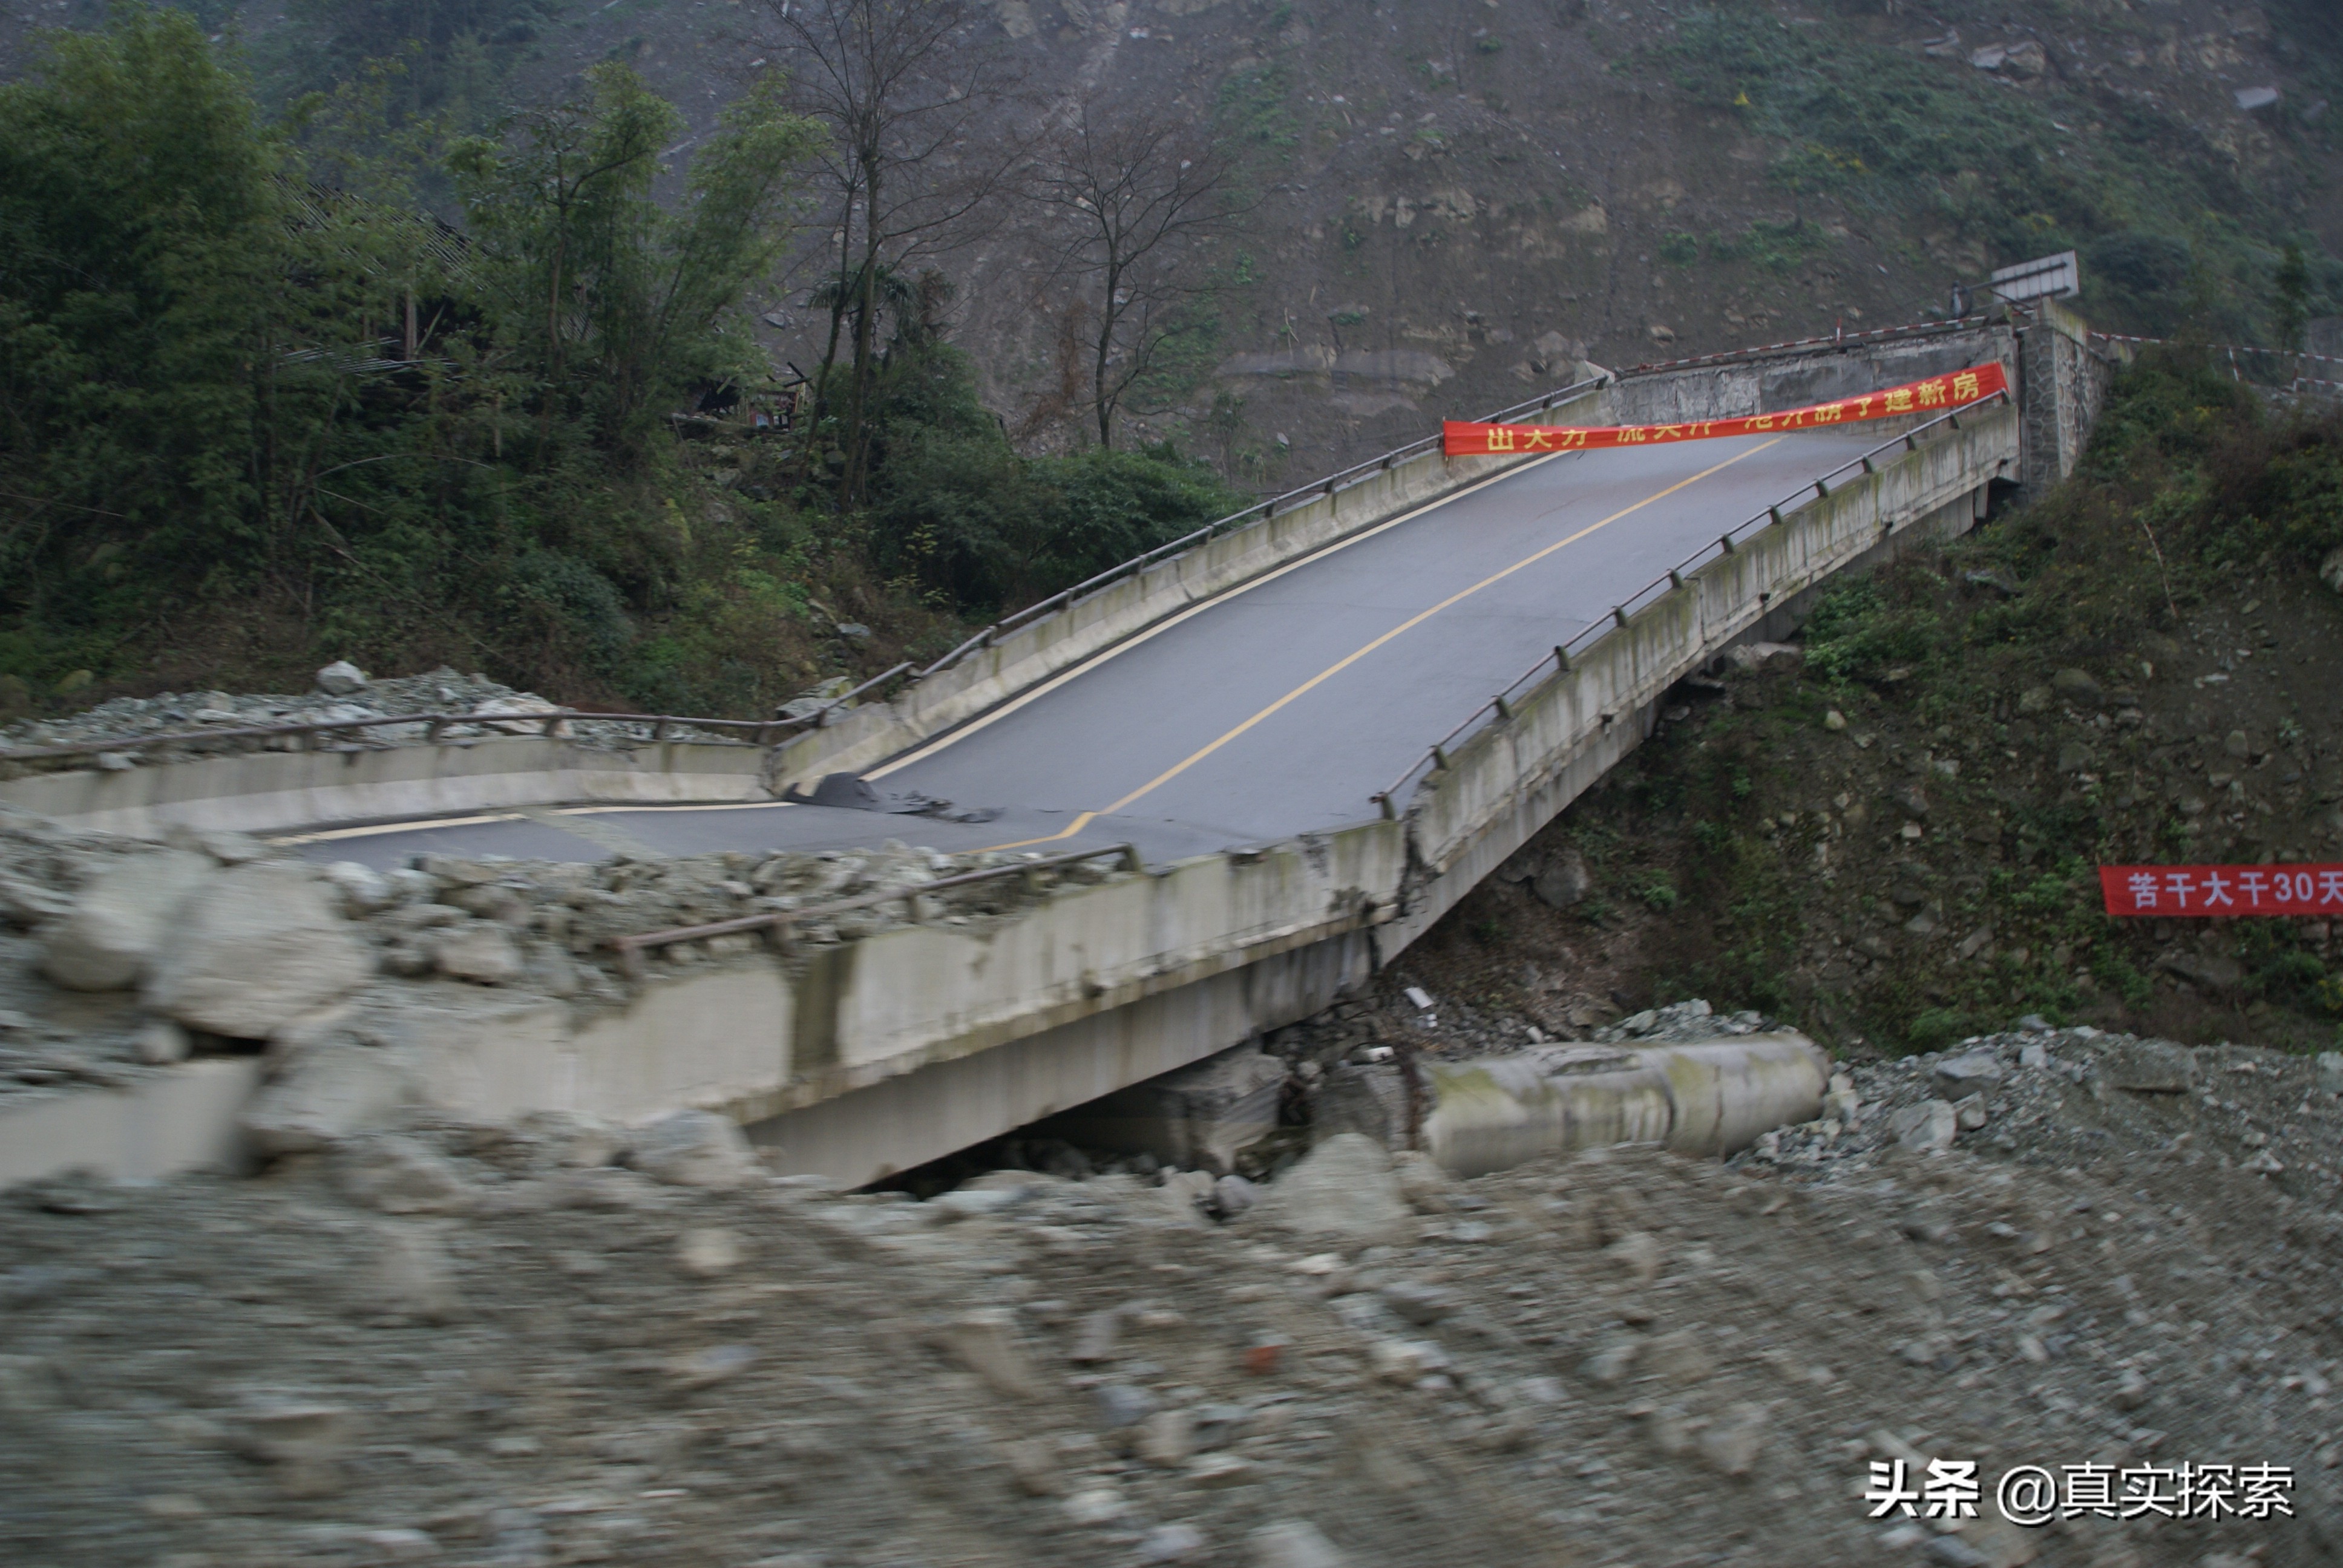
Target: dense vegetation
(259, 406)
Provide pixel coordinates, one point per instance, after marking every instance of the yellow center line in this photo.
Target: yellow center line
(1079, 823)
(1122, 649)
(376, 830)
(1404, 626)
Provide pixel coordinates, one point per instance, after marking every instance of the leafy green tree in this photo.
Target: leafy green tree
(613, 304)
(244, 379)
(2293, 304)
(155, 271)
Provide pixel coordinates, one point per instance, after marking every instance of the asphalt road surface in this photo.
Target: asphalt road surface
(1275, 709)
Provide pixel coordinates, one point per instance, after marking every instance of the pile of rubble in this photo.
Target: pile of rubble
(117, 952)
(563, 1343)
(2057, 1095)
(344, 695)
(1680, 1023)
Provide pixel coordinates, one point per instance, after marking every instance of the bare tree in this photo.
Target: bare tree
(904, 91)
(1143, 197)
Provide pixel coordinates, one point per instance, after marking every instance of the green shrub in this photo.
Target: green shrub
(566, 605)
(1858, 634)
(2290, 975)
(961, 514)
(1933, 1028)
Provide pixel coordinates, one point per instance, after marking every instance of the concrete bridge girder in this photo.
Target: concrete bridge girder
(915, 1041)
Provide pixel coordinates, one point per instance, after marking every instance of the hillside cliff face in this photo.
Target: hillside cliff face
(1465, 197)
(1462, 198)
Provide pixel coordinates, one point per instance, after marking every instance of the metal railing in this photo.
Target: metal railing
(1558, 661)
(1873, 336)
(631, 946)
(1328, 485)
(2232, 349)
(763, 732)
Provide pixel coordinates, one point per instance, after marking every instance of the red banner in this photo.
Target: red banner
(1937, 394)
(2222, 891)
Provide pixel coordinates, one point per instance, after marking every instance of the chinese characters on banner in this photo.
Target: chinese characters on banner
(1937, 394)
(2222, 891)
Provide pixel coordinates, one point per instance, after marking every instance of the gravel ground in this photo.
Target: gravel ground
(496, 1347)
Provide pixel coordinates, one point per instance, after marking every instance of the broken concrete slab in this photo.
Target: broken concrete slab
(328, 1093)
(1196, 1118)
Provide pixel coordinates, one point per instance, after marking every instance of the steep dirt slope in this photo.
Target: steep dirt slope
(1465, 198)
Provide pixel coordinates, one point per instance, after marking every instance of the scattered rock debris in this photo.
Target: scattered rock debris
(344, 695)
(119, 955)
(561, 1341)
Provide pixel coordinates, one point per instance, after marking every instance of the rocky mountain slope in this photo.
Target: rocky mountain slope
(1462, 199)
(1469, 197)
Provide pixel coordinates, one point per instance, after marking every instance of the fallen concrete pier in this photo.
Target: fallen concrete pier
(1709, 1098)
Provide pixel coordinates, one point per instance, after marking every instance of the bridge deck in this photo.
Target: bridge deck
(1275, 709)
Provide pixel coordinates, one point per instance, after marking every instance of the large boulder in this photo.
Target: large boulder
(1344, 1190)
(401, 1175)
(2152, 1067)
(1932, 1124)
(478, 951)
(342, 679)
(118, 919)
(332, 1090)
(695, 1149)
(257, 948)
(1970, 1072)
(1563, 881)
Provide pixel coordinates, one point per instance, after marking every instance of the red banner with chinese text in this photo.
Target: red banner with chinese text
(1936, 395)
(2222, 891)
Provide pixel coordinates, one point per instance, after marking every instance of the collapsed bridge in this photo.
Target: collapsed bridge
(1280, 752)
